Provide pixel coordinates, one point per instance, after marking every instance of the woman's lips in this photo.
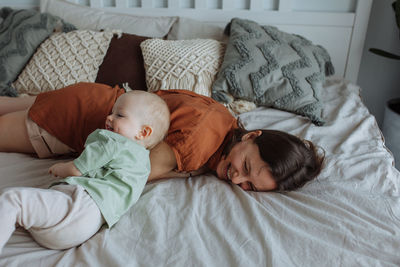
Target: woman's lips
(228, 172)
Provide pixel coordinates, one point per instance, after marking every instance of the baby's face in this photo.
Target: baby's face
(125, 118)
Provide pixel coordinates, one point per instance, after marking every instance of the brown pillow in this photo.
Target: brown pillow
(123, 63)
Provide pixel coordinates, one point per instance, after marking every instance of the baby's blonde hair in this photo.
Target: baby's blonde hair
(156, 115)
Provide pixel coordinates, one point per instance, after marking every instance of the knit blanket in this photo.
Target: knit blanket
(21, 32)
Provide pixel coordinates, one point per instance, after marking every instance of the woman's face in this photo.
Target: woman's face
(244, 166)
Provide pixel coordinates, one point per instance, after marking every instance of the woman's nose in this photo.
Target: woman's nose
(237, 177)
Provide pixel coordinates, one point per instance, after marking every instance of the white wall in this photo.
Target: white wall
(379, 77)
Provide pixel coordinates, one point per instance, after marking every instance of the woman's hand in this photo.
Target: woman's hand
(183, 174)
(202, 170)
(64, 169)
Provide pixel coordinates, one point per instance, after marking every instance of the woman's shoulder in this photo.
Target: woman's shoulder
(198, 127)
(185, 97)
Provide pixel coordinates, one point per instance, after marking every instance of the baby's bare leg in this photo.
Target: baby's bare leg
(12, 104)
(13, 133)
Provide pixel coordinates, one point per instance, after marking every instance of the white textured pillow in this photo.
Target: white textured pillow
(64, 59)
(183, 64)
(84, 17)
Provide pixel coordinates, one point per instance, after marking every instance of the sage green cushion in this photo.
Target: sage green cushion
(272, 68)
(21, 32)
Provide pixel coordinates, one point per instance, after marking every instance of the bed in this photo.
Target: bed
(348, 216)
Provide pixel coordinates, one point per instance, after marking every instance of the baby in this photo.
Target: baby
(99, 186)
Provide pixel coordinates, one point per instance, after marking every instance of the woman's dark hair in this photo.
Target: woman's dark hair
(292, 161)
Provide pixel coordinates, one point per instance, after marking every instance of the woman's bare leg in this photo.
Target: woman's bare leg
(13, 133)
(12, 104)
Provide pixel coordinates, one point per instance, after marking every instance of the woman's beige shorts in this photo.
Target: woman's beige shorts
(45, 144)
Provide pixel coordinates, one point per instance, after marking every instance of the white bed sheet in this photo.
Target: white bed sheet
(349, 216)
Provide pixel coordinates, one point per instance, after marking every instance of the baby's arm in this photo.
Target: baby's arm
(64, 169)
(95, 155)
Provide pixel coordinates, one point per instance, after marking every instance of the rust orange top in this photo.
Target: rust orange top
(198, 127)
(73, 112)
(197, 131)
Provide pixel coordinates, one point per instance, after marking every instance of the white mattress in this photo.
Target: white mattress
(349, 216)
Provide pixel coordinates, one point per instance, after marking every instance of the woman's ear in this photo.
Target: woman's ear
(145, 132)
(251, 135)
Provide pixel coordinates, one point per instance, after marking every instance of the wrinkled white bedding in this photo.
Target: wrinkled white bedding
(349, 216)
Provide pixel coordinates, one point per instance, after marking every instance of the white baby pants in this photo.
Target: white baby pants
(57, 218)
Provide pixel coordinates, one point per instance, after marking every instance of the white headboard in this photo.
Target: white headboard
(338, 25)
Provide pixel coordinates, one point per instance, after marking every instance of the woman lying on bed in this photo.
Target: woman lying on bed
(203, 135)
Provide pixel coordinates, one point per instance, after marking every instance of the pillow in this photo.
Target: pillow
(184, 64)
(21, 32)
(186, 29)
(139, 25)
(272, 68)
(95, 19)
(64, 59)
(83, 18)
(123, 63)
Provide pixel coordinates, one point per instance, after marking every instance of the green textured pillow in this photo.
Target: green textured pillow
(272, 68)
(21, 32)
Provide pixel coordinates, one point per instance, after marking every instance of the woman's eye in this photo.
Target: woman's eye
(120, 115)
(253, 188)
(246, 168)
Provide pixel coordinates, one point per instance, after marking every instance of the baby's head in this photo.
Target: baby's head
(140, 116)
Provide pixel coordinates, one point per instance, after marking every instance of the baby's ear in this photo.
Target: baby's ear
(145, 132)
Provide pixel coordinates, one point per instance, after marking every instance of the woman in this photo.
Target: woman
(203, 135)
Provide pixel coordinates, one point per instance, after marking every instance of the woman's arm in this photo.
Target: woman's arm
(163, 162)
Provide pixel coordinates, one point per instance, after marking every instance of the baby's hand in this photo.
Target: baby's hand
(64, 169)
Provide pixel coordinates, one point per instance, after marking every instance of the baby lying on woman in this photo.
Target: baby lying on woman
(99, 186)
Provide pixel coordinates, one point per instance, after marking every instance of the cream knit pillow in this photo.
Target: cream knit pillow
(182, 64)
(64, 59)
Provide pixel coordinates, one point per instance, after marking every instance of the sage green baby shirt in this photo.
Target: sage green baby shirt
(114, 171)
